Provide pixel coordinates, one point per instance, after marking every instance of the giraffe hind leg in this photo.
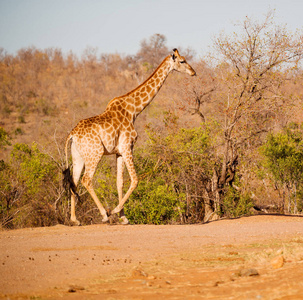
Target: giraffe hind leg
(78, 164)
(87, 181)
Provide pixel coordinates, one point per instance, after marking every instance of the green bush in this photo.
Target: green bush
(154, 203)
(236, 204)
(34, 168)
(283, 159)
(173, 172)
(30, 185)
(4, 138)
(283, 154)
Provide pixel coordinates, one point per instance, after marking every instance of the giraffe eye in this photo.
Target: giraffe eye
(182, 62)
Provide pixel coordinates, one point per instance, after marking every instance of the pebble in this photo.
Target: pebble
(138, 273)
(277, 262)
(245, 273)
(249, 272)
(75, 288)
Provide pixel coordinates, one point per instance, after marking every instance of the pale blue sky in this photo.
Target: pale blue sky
(119, 25)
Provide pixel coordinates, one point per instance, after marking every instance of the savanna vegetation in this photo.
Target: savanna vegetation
(218, 145)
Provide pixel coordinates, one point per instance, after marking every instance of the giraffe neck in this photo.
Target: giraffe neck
(146, 92)
(138, 99)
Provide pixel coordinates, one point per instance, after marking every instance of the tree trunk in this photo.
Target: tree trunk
(216, 195)
(224, 165)
(208, 210)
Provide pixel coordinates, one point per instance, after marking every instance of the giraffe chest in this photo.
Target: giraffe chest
(125, 140)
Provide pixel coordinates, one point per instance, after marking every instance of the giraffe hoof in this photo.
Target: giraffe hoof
(105, 219)
(75, 222)
(123, 220)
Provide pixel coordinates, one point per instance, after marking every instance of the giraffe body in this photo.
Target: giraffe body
(113, 132)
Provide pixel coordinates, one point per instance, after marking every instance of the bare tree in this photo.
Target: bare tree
(153, 50)
(245, 88)
(198, 94)
(252, 69)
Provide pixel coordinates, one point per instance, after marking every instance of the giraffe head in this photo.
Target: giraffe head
(179, 63)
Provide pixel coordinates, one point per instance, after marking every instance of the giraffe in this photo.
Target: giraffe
(113, 132)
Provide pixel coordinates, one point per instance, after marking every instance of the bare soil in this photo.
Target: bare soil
(258, 257)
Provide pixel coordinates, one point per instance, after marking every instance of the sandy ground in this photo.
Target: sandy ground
(259, 257)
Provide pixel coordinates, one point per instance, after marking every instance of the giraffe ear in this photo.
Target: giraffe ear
(173, 57)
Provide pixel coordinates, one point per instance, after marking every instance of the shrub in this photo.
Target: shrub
(236, 204)
(34, 168)
(4, 138)
(283, 159)
(153, 202)
(30, 185)
(174, 171)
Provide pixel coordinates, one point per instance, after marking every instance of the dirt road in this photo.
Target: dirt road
(259, 257)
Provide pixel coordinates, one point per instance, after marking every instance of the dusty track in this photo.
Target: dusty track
(209, 261)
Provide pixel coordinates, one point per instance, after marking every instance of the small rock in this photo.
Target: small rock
(138, 273)
(277, 262)
(216, 283)
(75, 288)
(245, 273)
(249, 272)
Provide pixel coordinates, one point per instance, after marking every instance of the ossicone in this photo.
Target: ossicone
(175, 54)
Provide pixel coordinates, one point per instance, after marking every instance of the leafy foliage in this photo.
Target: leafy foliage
(283, 158)
(30, 186)
(283, 153)
(154, 202)
(4, 138)
(173, 171)
(34, 168)
(235, 203)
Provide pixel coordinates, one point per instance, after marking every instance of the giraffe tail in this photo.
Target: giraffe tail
(68, 181)
(67, 142)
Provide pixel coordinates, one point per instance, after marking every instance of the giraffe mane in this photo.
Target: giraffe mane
(144, 82)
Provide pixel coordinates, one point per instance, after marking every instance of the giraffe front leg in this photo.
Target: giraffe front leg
(117, 209)
(120, 167)
(122, 218)
(128, 159)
